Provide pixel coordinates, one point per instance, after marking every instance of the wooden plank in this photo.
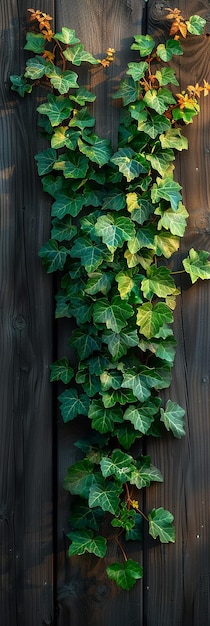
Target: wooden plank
(84, 592)
(26, 519)
(176, 582)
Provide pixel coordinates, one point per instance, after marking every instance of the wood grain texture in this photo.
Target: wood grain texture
(84, 591)
(177, 578)
(26, 519)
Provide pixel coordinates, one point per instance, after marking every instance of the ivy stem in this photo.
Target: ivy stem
(143, 515)
(121, 548)
(178, 272)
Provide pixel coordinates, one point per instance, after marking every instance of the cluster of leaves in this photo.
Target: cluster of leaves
(116, 220)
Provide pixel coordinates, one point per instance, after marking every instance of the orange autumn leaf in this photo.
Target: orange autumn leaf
(195, 90)
(173, 13)
(184, 99)
(48, 34)
(206, 88)
(48, 55)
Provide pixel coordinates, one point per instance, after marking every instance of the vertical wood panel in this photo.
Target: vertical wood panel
(26, 514)
(84, 591)
(177, 580)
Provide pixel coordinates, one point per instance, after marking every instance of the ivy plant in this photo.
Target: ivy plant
(117, 218)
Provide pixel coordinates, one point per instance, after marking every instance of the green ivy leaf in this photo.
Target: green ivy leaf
(81, 308)
(90, 383)
(124, 158)
(197, 265)
(161, 525)
(137, 70)
(61, 370)
(67, 36)
(99, 281)
(172, 418)
(127, 91)
(83, 95)
(35, 42)
(161, 160)
(53, 184)
(141, 382)
(114, 230)
(126, 435)
(125, 284)
(140, 207)
(85, 541)
(105, 494)
(135, 534)
(143, 43)
(121, 396)
(91, 254)
(76, 54)
(73, 405)
(99, 150)
(173, 221)
(57, 109)
(36, 67)
(118, 343)
(159, 282)
(159, 99)
(114, 200)
(125, 518)
(74, 165)
(114, 314)
(173, 138)
(102, 418)
(166, 51)
(169, 190)
(82, 119)
(151, 318)
(83, 517)
(195, 24)
(140, 416)
(45, 161)
(66, 204)
(125, 574)
(166, 75)
(63, 229)
(145, 238)
(153, 125)
(20, 85)
(166, 244)
(120, 465)
(53, 256)
(79, 478)
(62, 81)
(110, 379)
(145, 473)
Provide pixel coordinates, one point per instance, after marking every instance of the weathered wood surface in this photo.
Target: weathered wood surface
(177, 577)
(26, 505)
(175, 588)
(84, 592)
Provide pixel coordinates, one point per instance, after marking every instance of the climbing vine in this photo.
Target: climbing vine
(117, 217)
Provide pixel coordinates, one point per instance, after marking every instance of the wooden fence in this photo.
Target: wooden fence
(39, 584)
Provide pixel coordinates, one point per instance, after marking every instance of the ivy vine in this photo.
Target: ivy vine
(117, 217)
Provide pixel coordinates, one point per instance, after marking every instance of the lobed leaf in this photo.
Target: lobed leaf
(85, 541)
(172, 417)
(125, 574)
(61, 370)
(161, 525)
(197, 265)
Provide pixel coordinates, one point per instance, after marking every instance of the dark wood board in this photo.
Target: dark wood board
(175, 588)
(26, 501)
(177, 576)
(84, 591)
